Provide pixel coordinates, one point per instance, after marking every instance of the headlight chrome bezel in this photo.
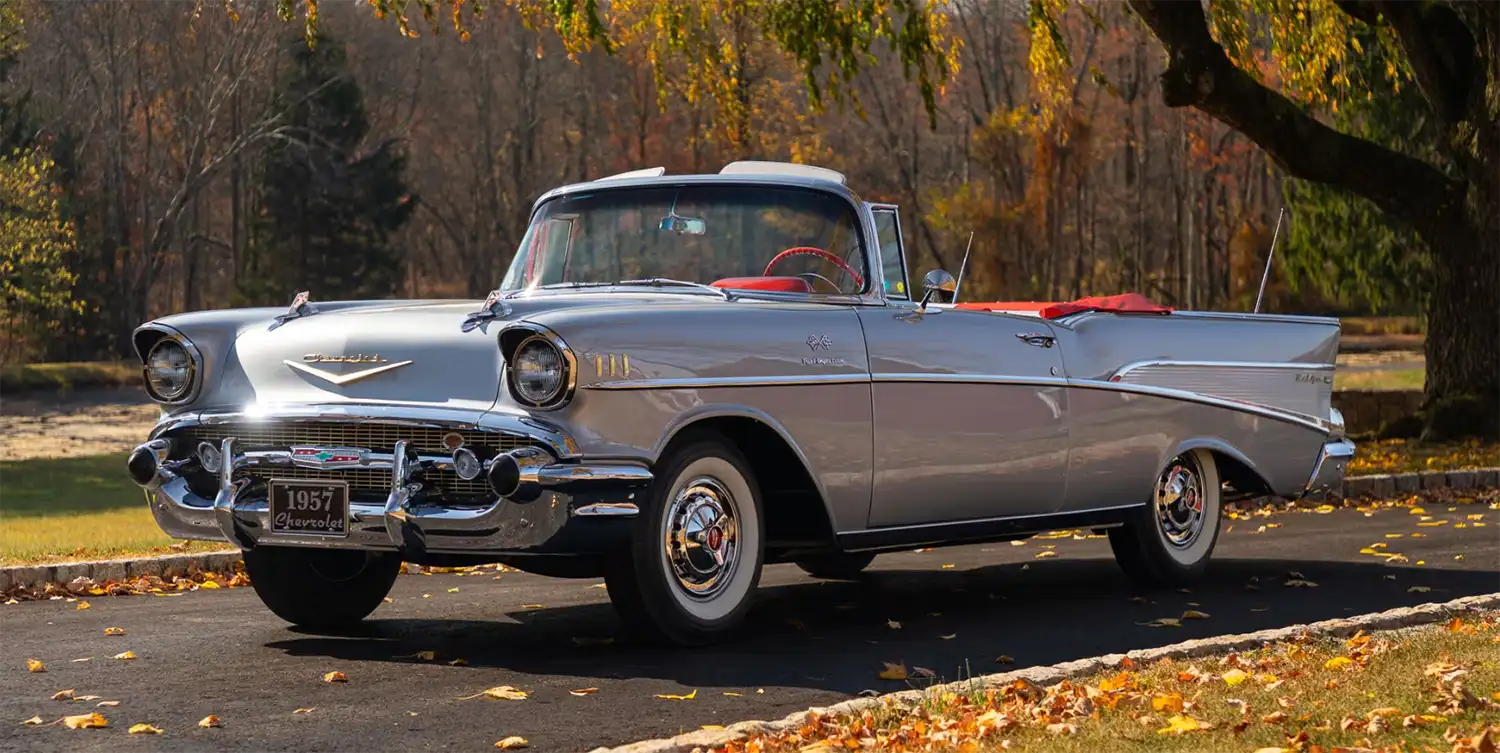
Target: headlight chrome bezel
(194, 370)
(531, 334)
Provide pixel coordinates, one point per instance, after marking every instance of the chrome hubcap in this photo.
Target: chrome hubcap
(1179, 502)
(702, 538)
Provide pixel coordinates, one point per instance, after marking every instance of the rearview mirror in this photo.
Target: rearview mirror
(683, 225)
(937, 283)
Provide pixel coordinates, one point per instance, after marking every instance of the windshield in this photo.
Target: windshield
(734, 237)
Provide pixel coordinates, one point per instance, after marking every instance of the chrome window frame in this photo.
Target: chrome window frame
(895, 211)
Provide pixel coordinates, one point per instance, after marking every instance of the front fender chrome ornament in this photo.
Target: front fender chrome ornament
(299, 308)
(493, 308)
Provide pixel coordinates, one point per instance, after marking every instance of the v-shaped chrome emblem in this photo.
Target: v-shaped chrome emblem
(343, 379)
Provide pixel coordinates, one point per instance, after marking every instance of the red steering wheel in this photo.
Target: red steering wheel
(811, 251)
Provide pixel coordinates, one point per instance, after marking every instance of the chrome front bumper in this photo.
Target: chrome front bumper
(1333, 461)
(550, 493)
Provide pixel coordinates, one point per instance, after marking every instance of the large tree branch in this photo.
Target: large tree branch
(1200, 75)
(1438, 45)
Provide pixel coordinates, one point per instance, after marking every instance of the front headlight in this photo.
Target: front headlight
(539, 372)
(170, 371)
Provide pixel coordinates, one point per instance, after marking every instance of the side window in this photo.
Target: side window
(893, 261)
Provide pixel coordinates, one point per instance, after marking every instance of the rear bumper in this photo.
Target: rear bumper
(1333, 461)
(562, 506)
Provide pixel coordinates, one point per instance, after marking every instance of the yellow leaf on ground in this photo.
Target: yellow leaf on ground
(35, 665)
(106, 704)
(514, 742)
(1181, 724)
(1193, 614)
(948, 567)
(502, 692)
(1170, 703)
(124, 655)
(1162, 622)
(210, 721)
(583, 691)
(82, 605)
(34, 721)
(63, 695)
(533, 606)
(1338, 662)
(893, 672)
(144, 729)
(1273, 750)
(335, 677)
(453, 590)
(114, 631)
(670, 697)
(1416, 511)
(90, 720)
(1045, 555)
(1234, 677)
(1117, 682)
(307, 710)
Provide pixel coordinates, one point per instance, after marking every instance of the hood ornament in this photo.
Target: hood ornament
(340, 380)
(493, 308)
(300, 308)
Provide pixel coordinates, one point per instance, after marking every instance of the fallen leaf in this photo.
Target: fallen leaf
(1300, 583)
(892, 624)
(86, 658)
(922, 672)
(1162, 622)
(335, 677)
(733, 694)
(893, 672)
(1181, 724)
(670, 697)
(501, 692)
(1045, 555)
(513, 742)
(210, 721)
(106, 704)
(1275, 717)
(1234, 677)
(459, 662)
(1116, 682)
(124, 655)
(949, 637)
(533, 606)
(63, 695)
(583, 691)
(34, 721)
(35, 665)
(1170, 703)
(1384, 711)
(114, 631)
(87, 698)
(144, 729)
(208, 584)
(1062, 728)
(1416, 511)
(1193, 614)
(1338, 662)
(712, 727)
(82, 605)
(453, 590)
(90, 720)
(307, 710)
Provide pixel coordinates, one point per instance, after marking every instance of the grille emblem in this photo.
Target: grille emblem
(328, 457)
(342, 379)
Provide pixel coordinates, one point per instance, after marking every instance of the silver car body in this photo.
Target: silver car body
(894, 423)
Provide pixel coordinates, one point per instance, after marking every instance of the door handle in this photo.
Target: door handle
(1036, 338)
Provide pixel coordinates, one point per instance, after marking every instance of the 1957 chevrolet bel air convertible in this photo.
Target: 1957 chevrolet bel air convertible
(683, 378)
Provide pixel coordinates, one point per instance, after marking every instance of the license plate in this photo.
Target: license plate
(316, 508)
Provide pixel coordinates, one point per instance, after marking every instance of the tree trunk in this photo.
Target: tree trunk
(1463, 329)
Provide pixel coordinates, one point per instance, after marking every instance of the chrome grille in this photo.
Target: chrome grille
(371, 436)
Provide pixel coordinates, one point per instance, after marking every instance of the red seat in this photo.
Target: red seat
(1125, 303)
(778, 284)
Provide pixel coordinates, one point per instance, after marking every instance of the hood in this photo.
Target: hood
(413, 353)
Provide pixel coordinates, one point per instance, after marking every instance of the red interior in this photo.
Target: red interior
(1125, 303)
(778, 284)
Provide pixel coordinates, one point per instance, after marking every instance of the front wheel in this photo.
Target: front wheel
(695, 553)
(1168, 542)
(322, 589)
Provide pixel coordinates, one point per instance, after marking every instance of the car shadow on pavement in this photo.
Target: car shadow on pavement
(836, 635)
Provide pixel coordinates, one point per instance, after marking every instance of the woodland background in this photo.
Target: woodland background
(169, 156)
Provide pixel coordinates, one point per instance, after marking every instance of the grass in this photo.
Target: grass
(1381, 379)
(62, 377)
(1317, 692)
(1382, 325)
(1402, 456)
(60, 509)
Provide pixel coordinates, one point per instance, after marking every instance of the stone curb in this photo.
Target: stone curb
(165, 566)
(1423, 614)
(38, 576)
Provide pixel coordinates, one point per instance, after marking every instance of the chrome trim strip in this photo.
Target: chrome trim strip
(981, 521)
(1311, 422)
(1281, 365)
(695, 383)
(339, 380)
(970, 379)
(607, 510)
(1242, 315)
(557, 442)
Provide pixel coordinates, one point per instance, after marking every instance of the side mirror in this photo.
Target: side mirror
(937, 283)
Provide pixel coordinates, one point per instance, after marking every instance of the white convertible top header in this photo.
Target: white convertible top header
(754, 167)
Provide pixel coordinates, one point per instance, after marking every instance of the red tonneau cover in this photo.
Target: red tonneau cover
(1125, 303)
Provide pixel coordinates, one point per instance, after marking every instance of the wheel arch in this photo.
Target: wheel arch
(796, 504)
(1235, 468)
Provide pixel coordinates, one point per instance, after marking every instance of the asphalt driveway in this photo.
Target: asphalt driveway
(809, 642)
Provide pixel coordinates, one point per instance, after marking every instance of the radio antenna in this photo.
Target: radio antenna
(1269, 257)
(961, 267)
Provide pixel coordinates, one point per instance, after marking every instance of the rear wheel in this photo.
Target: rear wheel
(694, 558)
(837, 566)
(1168, 542)
(323, 589)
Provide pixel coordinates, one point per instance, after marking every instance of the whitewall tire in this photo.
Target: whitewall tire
(1169, 541)
(695, 555)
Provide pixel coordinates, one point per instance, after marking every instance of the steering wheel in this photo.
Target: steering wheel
(811, 251)
(811, 276)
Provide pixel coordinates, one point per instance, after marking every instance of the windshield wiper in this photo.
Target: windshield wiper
(660, 281)
(558, 286)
